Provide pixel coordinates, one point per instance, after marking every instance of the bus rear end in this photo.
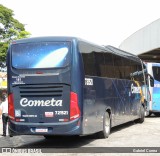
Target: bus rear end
(40, 94)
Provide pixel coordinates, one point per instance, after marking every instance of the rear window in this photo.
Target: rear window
(156, 73)
(41, 55)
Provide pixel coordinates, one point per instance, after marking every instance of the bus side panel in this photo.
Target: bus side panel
(89, 110)
(156, 97)
(154, 104)
(101, 94)
(120, 101)
(135, 99)
(156, 88)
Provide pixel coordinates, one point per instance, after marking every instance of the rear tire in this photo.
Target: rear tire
(106, 127)
(149, 114)
(142, 115)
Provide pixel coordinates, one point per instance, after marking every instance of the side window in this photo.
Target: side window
(118, 66)
(127, 68)
(156, 73)
(109, 68)
(93, 59)
(134, 66)
(88, 62)
(137, 67)
(87, 57)
(99, 64)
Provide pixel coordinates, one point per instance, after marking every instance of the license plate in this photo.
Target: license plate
(41, 130)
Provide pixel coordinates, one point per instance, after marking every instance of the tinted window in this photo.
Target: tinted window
(136, 67)
(99, 63)
(93, 59)
(127, 68)
(118, 66)
(40, 55)
(109, 68)
(88, 62)
(156, 73)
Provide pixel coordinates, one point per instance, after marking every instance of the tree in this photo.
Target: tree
(10, 29)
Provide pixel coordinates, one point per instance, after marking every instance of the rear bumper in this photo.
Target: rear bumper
(65, 128)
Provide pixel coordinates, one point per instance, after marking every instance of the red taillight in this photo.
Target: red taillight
(11, 107)
(74, 108)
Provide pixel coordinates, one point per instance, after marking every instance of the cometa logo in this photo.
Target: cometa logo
(135, 89)
(24, 102)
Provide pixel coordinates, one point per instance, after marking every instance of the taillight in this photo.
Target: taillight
(74, 108)
(11, 107)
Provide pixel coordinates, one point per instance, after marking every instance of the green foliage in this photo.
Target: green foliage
(3, 50)
(10, 29)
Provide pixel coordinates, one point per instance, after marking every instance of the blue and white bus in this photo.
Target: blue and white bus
(153, 70)
(69, 86)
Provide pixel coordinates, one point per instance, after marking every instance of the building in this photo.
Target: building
(145, 42)
(3, 83)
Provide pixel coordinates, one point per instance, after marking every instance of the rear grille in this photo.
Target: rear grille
(41, 90)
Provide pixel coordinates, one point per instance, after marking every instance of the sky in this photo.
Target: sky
(105, 22)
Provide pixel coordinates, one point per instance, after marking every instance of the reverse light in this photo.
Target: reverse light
(11, 113)
(74, 108)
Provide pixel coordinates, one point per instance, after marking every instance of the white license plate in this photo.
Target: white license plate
(41, 130)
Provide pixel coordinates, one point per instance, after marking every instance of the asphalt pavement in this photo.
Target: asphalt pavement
(141, 136)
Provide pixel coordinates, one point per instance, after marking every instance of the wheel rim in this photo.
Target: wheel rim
(145, 113)
(107, 124)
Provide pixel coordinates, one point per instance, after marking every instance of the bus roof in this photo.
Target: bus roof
(121, 52)
(108, 48)
(46, 38)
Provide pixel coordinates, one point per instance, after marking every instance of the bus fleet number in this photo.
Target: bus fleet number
(61, 112)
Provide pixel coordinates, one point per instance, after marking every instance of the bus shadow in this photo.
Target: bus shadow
(122, 126)
(128, 124)
(153, 116)
(69, 141)
(60, 142)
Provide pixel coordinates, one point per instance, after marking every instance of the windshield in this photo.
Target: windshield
(40, 55)
(156, 73)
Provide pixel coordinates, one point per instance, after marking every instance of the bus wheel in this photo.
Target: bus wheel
(146, 113)
(142, 115)
(149, 114)
(106, 126)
